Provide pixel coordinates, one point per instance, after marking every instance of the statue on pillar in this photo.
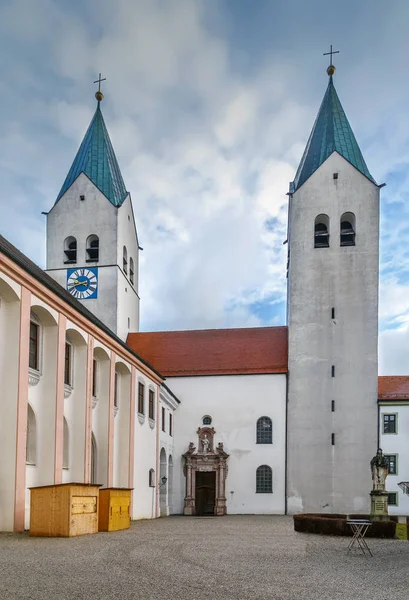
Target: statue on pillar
(380, 470)
(379, 496)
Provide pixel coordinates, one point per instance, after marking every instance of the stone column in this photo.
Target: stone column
(189, 507)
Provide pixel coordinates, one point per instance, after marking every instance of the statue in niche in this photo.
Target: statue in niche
(205, 444)
(380, 470)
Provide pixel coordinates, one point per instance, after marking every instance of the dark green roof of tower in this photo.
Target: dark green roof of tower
(96, 158)
(331, 133)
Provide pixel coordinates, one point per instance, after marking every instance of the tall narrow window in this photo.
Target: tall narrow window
(67, 364)
(94, 377)
(33, 361)
(151, 478)
(264, 430)
(131, 270)
(333, 405)
(151, 404)
(333, 439)
(141, 400)
(389, 423)
(125, 260)
(31, 440)
(116, 393)
(347, 231)
(66, 446)
(163, 419)
(393, 463)
(321, 232)
(70, 250)
(264, 480)
(93, 248)
(333, 371)
(94, 456)
(170, 424)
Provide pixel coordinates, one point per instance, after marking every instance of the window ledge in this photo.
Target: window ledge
(67, 390)
(94, 401)
(31, 464)
(34, 377)
(116, 408)
(141, 418)
(151, 423)
(66, 468)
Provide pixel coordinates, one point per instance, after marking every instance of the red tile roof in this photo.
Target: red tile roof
(394, 387)
(214, 351)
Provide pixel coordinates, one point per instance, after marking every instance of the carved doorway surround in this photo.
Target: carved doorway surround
(205, 494)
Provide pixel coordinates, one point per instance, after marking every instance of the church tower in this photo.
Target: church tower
(333, 272)
(92, 244)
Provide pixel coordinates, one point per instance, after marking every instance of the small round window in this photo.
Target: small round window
(207, 420)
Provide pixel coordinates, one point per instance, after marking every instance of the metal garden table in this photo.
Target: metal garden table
(359, 528)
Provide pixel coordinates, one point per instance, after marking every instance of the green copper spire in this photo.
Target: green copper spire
(331, 133)
(96, 158)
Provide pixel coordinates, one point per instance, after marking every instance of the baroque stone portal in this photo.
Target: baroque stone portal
(206, 472)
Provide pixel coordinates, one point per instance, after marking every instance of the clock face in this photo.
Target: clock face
(83, 283)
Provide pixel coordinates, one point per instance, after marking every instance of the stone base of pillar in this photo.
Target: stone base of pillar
(220, 508)
(379, 505)
(189, 507)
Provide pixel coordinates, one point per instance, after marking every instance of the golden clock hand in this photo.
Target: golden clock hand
(76, 283)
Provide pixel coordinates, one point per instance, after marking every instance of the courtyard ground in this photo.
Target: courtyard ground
(187, 558)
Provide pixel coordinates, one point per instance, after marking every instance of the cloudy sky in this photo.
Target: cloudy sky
(209, 105)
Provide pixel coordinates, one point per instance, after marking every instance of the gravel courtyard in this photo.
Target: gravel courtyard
(187, 558)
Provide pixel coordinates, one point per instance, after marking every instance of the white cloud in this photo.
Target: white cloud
(206, 149)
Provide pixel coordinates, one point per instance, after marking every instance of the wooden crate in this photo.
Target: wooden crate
(114, 509)
(64, 510)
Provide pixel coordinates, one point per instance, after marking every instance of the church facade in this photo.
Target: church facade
(269, 420)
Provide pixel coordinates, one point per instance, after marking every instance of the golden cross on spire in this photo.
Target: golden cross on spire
(99, 95)
(331, 68)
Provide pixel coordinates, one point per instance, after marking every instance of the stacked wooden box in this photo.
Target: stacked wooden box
(114, 509)
(64, 510)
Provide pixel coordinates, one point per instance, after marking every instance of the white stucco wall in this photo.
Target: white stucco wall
(234, 402)
(397, 443)
(9, 356)
(128, 299)
(345, 278)
(144, 497)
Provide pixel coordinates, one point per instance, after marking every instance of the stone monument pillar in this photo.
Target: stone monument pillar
(379, 497)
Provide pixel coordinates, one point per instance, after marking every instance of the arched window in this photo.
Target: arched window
(264, 480)
(347, 230)
(66, 446)
(92, 248)
(131, 270)
(31, 441)
(207, 420)
(264, 430)
(70, 249)
(125, 261)
(321, 232)
(151, 477)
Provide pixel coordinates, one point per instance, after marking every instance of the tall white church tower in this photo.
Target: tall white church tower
(333, 237)
(92, 244)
